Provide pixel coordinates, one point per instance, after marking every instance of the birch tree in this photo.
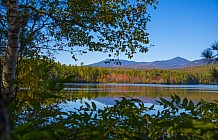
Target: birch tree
(9, 65)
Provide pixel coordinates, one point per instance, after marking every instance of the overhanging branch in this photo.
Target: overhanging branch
(52, 16)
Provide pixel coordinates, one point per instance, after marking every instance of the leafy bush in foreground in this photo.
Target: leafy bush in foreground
(127, 119)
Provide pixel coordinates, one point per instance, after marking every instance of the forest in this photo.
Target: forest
(88, 74)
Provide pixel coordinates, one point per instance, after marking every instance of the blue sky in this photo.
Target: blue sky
(178, 28)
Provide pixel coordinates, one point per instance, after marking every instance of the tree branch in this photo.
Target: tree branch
(52, 16)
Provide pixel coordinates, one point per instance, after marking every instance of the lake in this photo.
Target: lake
(106, 94)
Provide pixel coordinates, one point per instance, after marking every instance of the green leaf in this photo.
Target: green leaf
(185, 102)
(152, 107)
(165, 102)
(169, 129)
(177, 98)
(161, 103)
(158, 113)
(87, 105)
(191, 105)
(172, 97)
(93, 105)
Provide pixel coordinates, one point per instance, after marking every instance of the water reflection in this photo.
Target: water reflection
(101, 103)
(146, 92)
(105, 94)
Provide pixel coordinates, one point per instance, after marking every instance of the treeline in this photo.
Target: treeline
(191, 75)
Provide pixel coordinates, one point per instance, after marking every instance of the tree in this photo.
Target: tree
(30, 28)
(9, 66)
(211, 53)
(105, 26)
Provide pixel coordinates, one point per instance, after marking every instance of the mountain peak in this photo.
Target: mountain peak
(180, 58)
(177, 62)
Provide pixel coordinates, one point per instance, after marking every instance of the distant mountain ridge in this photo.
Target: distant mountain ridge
(177, 62)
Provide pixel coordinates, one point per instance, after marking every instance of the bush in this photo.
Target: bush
(127, 119)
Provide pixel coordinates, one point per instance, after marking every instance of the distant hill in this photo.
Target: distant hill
(177, 62)
(111, 100)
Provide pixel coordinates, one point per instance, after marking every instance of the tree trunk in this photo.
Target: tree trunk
(4, 120)
(9, 66)
(7, 92)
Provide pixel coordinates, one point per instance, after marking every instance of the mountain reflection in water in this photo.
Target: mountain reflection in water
(148, 93)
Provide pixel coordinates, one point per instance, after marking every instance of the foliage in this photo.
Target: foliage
(48, 26)
(127, 119)
(209, 52)
(213, 58)
(192, 75)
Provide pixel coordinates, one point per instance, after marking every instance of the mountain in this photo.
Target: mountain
(110, 101)
(177, 62)
(199, 62)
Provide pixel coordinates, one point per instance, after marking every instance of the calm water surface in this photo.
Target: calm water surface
(106, 94)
